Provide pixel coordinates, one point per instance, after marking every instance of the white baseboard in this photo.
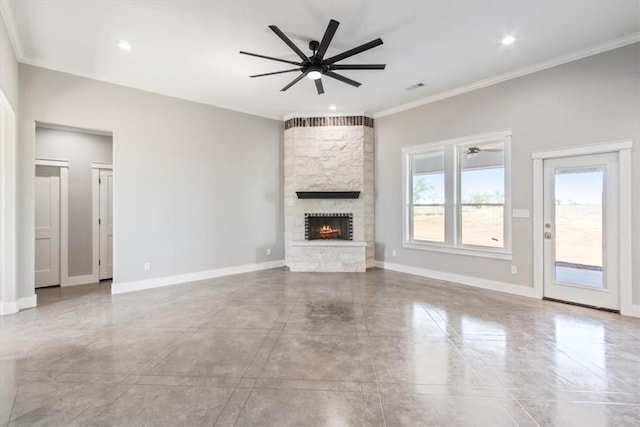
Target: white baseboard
(631, 310)
(15, 306)
(28, 302)
(79, 280)
(8, 307)
(492, 285)
(138, 285)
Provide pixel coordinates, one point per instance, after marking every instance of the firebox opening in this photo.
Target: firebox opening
(334, 226)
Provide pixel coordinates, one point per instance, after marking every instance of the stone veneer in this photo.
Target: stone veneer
(329, 154)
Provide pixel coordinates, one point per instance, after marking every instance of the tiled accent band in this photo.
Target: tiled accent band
(297, 122)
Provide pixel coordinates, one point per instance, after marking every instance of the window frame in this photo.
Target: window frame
(453, 206)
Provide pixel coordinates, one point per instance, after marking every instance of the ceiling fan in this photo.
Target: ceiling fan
(474, 151)
(315, 66)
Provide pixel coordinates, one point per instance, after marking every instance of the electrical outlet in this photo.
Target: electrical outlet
(147, 266)
(393, 253)
(268, 251)
(514, 269)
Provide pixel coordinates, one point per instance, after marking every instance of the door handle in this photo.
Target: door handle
(547, 235)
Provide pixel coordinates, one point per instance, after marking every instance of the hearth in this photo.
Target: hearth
(328, 226)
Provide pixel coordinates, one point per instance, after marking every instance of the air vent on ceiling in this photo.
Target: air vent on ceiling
(415, 86)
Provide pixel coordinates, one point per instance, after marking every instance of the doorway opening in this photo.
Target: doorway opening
(74, 210)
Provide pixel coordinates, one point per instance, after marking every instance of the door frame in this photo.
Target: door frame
(9, 301)
(95, 193)
(623, 149)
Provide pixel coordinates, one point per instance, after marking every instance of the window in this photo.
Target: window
(456, 195)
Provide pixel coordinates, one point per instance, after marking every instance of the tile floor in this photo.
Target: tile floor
(275, 348)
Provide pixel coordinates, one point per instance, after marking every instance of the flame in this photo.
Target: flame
(326, 229)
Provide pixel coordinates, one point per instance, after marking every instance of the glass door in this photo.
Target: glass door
(580, 230)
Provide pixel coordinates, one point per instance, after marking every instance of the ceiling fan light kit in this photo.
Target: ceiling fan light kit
(316, 66)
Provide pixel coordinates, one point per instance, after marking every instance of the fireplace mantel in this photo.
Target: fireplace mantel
(328, 194)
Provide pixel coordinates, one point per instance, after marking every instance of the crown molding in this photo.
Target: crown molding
(9, 21)
(574, 56)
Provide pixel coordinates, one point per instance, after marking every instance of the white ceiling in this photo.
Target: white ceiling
(189, 49)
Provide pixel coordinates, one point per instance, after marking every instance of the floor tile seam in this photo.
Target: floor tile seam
(472, 365)
(13, 403)
(264, 340)
(175, 343)
(375, 372)
(104, 405)
(227, 403)
(590, 402)
(594, 369)
(364, 406)
(446, 334)
(527, 412)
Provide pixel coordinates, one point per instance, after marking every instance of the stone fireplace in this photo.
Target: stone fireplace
(329, 198)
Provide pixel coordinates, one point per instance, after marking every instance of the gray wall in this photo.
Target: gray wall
(195, 187)
(596, 99)
(80, 149)
(8, 67)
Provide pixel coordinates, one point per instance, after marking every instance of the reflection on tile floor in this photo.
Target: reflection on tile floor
(280, 348)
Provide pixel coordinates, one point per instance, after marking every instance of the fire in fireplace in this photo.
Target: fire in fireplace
(328, 226)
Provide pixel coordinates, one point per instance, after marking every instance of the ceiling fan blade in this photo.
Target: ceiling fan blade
(326, 39)
(289, 42)
(343, 79)
(357, 67)
(354, 51)
(319, 86)
(276, 72)
(271, 58)
(296, 80)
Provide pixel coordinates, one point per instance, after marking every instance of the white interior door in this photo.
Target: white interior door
(580, 230)
(106, 224)
(47, 189)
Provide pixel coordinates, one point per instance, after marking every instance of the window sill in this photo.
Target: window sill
(458, 251)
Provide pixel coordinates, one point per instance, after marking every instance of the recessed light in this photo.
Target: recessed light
(125, 45)
(508, 40)
(332, 107)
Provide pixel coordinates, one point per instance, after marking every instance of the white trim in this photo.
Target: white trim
(28, 302)
(581, 150)
(95, 215)
(493, 285)
(57, 163)
(79, 280)
(138, 285)
(8, 308)
(458, 251)
(55, 126)
(14, 35)
(64, 225)
(8, 205)
(101, 165)
(625, 225)
(625, 248)
(574, 56)
(538, 227)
